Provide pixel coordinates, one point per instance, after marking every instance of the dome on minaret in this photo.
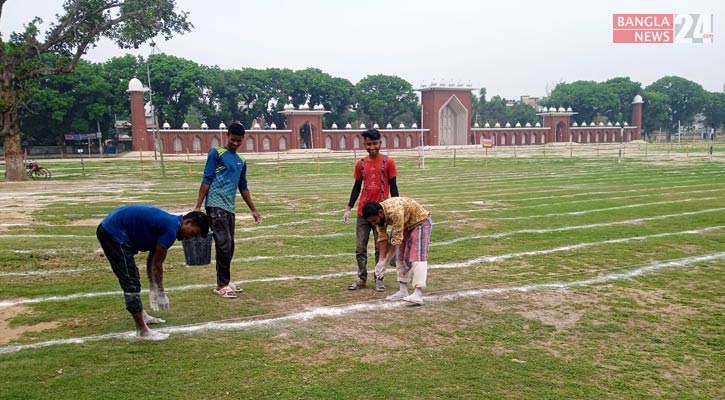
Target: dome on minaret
(135, 85)
(637, 99)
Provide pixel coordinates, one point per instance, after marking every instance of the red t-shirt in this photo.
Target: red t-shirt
(369, 171)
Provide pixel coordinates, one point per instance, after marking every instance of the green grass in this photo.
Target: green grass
(659, 335)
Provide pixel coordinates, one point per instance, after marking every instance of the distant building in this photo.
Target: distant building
(530, 100)
(446, 111)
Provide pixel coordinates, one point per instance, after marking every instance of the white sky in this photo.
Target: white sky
(511, 47)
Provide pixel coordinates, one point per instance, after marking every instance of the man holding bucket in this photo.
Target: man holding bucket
(131, 229)
(225, 173)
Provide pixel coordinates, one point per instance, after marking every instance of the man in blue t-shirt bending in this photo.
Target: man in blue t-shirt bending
(225, 173)
(131, 229)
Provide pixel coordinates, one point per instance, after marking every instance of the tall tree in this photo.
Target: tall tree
(69, 103)
(521, 112)
(477, 104)
(625, 89)
(176, 86)
(385, 98)
(494, 110)
(129, 23)
(686, 98)
(715, 109)
(655, 111)
(337, 95)
(591, 100)
(117, 72)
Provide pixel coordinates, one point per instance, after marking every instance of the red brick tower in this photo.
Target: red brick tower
(139, 134)
(447, 113)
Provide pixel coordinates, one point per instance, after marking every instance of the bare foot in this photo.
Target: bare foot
(152, 320)
(151, 335)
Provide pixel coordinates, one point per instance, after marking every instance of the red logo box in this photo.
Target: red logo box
(643, 28)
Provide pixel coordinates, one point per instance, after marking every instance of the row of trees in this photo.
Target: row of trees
(499, 110)
(94, 94)
(667, 102)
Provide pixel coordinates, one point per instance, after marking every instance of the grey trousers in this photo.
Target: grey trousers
(362, 236)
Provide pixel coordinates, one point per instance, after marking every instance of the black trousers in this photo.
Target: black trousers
(121, 258)
(222, 226)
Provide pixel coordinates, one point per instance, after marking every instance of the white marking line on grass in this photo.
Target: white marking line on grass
(669, 188)
(329, 235)
(293, 256)
(433, 244)
(343, 310)
(465, 264)
(657, 265)
(321, 236)
(602, 209)
(43, 273)
(503, 257)
(293, 223)
(52, 251)
(569, 228)
(630, 197)
(44, 236)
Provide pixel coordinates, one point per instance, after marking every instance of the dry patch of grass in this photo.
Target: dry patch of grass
(10, 332)
(86, 222)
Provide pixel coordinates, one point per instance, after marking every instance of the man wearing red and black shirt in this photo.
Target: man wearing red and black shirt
(374, 181)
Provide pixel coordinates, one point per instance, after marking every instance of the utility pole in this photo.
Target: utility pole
(100, 139)
(157, 139)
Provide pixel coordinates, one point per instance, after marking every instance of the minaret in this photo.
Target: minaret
(637, 117)
(138, 116)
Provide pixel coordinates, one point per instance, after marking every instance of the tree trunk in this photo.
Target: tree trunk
(14, 166)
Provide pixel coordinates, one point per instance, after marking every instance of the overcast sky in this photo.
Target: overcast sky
(510, 47)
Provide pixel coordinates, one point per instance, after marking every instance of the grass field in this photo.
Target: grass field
(550, 278)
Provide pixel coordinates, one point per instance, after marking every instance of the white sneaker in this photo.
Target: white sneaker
(152, 336)
(399, 295)
(414, 299)
(235, 287)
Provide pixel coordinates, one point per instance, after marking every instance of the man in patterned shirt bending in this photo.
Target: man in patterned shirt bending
(225, 173)
(410, 239)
